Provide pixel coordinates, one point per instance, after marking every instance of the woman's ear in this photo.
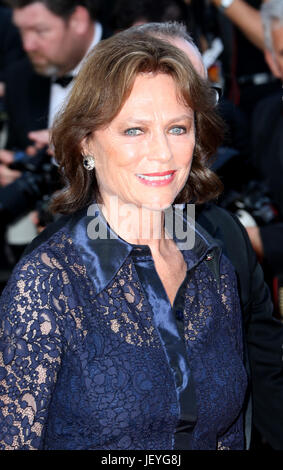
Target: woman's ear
(79, 20)
(85, 150)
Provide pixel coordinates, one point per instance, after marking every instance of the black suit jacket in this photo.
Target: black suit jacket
(10, 41)
(267, 142)
(263, 333)
(26, 102)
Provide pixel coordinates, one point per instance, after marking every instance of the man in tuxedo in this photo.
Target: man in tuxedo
(56, 36)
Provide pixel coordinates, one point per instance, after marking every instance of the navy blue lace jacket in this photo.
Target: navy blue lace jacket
(93, 356)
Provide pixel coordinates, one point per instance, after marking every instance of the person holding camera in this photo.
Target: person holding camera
(56, 37)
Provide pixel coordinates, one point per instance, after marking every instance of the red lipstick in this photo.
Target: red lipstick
(155, 179)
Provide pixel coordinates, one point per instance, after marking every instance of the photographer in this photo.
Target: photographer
(56, 37)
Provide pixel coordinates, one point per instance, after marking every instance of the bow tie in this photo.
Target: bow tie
(64, 81)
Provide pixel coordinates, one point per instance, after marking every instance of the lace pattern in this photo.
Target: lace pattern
(86, 371)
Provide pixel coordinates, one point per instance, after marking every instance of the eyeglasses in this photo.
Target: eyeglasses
(218, 92)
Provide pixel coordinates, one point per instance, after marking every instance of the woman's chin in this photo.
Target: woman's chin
(158, 205)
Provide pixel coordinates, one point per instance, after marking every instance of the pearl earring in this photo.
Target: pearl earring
(89, 162)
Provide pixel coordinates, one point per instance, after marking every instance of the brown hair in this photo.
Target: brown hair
(99, 92)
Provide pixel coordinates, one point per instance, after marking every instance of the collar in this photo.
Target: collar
(104, 252)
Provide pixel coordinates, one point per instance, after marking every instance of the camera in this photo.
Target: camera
(39, 179)
(254, 199)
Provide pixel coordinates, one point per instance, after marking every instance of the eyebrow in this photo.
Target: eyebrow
(175, 119)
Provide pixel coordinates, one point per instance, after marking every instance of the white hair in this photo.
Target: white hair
(169, 30)
(272, 18)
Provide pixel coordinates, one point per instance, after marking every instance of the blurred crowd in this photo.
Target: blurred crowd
(42, 46)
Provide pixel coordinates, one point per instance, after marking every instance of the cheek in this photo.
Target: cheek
(129, 155)
(109, 161)
(188, 158)
(60, 45)
(126, 157)
(185, 153)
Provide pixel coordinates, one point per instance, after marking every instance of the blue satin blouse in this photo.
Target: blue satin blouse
(93, 356)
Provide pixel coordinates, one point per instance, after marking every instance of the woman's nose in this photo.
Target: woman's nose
(160, 148)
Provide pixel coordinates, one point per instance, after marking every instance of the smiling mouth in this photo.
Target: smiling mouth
(164, 176)
(157, 179)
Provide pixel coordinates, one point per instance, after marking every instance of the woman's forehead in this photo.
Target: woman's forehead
(154, 90)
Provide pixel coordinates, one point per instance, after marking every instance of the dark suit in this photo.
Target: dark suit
(263, 333)
(267, 134)
(26, 102)
(10, 41)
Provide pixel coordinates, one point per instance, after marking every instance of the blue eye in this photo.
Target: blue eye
(133, 131)
(178, 130)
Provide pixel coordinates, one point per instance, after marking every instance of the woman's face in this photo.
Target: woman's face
(144, 155)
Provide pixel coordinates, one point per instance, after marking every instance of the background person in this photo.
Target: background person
(245, 16)
(267, 146)
(56, 36)
(248, 78)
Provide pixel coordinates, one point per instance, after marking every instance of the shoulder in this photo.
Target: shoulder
(229, 232)
(45, 264)
(42, 287)
(48, 234)
(5, 21)
(22, 66)
(218, 221)
(234, 241)
(20, 74)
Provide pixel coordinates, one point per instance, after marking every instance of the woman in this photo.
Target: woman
(115, 334)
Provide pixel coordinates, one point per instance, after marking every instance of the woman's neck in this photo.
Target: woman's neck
(136, 225)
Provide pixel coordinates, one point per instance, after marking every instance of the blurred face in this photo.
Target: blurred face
(144, 155)
(49, 41)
